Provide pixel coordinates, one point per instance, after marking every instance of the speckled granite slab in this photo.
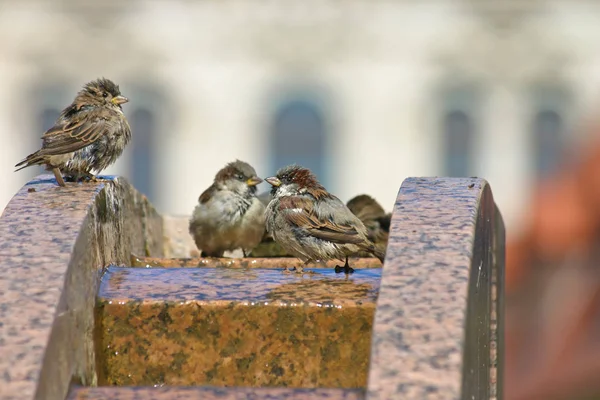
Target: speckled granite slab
(437, 332)
(434, 328)
(208, 393)
(236, 327)
(54, 242)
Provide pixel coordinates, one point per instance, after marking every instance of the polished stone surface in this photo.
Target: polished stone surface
(433, 329)
(54, 242)
(236, 327)
(208, 393)
(315, 286)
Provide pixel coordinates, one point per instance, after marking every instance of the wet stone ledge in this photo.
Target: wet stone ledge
(236, 327)
(248, 262)
(204, 393)
(107, 292)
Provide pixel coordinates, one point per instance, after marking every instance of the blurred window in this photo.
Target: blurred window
(548, 138)
(550, 104)
(458, 143)
(142, 172)
(298, 133)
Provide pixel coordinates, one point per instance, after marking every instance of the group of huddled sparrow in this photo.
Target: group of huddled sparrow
(299, 214)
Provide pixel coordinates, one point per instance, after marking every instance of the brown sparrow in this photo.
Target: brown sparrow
(311, 223)
(229, 215)
(89, 135)
(377, 222)
(267, 246)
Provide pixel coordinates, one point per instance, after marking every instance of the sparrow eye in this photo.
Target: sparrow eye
(239, 177)
(104, 94)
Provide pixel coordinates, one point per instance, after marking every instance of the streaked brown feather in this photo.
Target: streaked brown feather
(308, 220)
(75, 135)
(305, 179)
(207, 194)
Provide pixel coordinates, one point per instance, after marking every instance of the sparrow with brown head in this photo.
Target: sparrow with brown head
(229, 216)
(89, 135)
(311, 223)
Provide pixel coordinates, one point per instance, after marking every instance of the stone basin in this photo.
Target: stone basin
(103, 297)
(235, 327)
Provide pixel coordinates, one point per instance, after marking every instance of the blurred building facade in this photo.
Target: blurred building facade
(366, 93)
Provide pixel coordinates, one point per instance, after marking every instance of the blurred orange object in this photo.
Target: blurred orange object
(561, 224)
(553, 289)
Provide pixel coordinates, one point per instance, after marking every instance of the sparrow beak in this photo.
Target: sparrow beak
(119, 100)
(273, 181)
(255, 180)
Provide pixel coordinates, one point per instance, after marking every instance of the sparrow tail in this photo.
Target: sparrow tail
(380, 254)
(32, 159)
(376, 251)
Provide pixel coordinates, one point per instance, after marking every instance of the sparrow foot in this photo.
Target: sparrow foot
(347, 269)
(210, 255)
(58, 176)
(82, 177)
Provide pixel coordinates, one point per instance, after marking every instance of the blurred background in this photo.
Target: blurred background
(365, 93)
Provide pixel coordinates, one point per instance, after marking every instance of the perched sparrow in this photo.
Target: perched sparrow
(89, 135)
(373, 216)
(311, 223)
(229, 215)
(267, 246)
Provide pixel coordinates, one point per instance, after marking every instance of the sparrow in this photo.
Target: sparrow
(89, 135)
(377, 222)
(267, 246)
(311, 223)
(229, 215)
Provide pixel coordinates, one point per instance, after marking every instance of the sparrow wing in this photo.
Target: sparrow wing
(300, 212)
(207, 194)
(83, 129)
